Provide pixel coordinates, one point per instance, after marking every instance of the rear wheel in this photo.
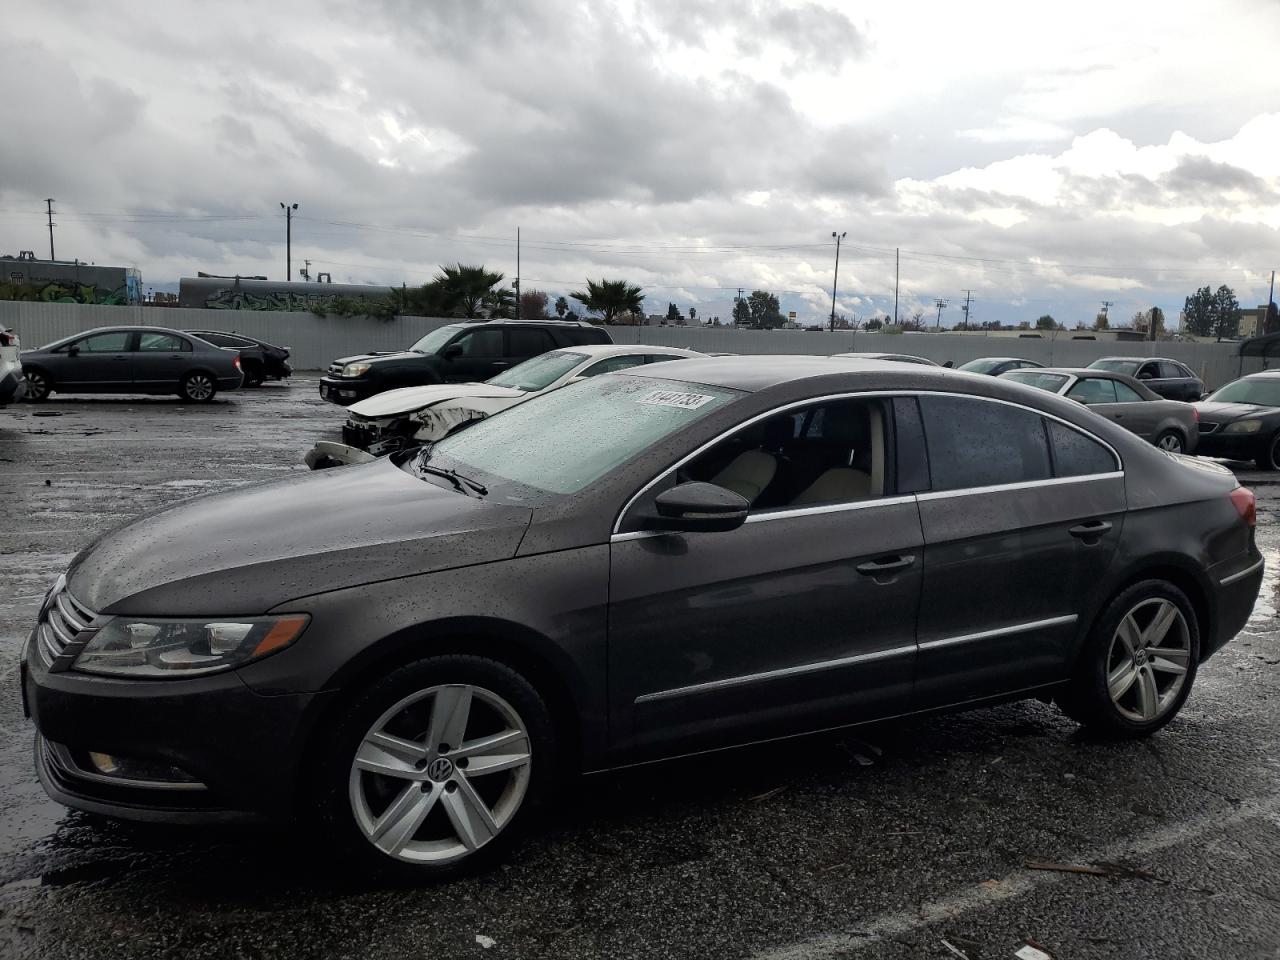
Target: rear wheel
(438, 767)
(39, 384)
(198, 387)
(1171, 440)
(254, 375)
(1138, 664)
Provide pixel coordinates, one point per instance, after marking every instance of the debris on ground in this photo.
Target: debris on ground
(485, 942)
(953, 949)
(47, 413)
(768, 793)
(1033, 951)
(1094, 870)
(862, 753)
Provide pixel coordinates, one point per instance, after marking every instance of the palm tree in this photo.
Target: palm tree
(562, 307)
(466, 288)
(610, 298)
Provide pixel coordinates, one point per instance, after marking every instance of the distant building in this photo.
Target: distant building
(1253, 321)
(67, 281)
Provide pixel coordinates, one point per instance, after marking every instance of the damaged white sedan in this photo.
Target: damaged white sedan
(411, 416)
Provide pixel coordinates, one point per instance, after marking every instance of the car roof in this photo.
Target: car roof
(1139, 359)
(626, 349)
(128, 328)
(1000, 359)
(752, 373)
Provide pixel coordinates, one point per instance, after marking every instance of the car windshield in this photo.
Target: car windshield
(980, 366)
(539, 372)
(436, 339)
(1034, 378)
(1127, 367)
(560, 442)
(1265, 392)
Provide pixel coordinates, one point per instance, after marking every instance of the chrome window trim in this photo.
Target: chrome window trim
(871, 394)
(747, 678)
(1000, 632)
(1024, 485)
(1227, 581)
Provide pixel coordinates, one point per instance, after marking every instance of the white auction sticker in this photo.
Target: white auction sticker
(670, 398)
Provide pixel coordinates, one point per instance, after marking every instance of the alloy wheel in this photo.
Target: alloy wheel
(1273, 453)
(440, 774)
(1148, 660)
(37, 384)
(199, 387)
(1171, 442)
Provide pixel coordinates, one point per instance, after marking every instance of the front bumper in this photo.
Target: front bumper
(239, 752)
(13, 387)
(1229, 446)
(345, 392)
(327, 453)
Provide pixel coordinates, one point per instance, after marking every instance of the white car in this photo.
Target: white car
(411, 416)
(12, 385)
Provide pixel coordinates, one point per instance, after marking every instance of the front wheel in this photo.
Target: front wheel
(198, 387)
(1171, 441)
(1138, 663)
(1269, 456)
(39, 386)
(437, 767)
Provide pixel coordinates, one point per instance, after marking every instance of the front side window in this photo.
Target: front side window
(436, 339)
(1091, 390)
(977, 443)
(114, 342)
(1149, 371)
(831, 452)
(1173, 371)
(562, 441)
(540, 372)
(480, 343)
(161, 343)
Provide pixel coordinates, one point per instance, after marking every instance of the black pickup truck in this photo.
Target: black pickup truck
(457, 353)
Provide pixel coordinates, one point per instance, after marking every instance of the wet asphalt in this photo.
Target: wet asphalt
(902, 840)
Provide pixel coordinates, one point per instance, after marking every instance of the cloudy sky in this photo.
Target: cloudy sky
(1045, 158)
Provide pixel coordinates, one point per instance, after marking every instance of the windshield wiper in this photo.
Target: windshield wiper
(453, 476)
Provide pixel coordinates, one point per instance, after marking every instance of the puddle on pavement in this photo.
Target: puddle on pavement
(1268, 602)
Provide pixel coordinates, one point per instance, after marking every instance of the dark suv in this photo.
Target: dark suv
(457, 353)
(1169, 378)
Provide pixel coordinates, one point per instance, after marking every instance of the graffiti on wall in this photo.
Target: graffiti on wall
(232, 299)
(61, 291)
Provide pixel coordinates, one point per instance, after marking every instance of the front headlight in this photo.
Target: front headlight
(146, 647)
(1243, 426)
(355, 369)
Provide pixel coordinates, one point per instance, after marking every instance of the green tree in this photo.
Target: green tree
(562, 307)
(610, 299)
(741, 313)
(875, 323)
(1100, 322)
(466, 289)
(1046, 322)
(1198, 312)
(1227, 313)
(501, 303)
(766, 312)
(673, 313)
(693, 314)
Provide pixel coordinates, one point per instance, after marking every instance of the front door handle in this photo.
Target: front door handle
(1090, 532)
(878, 568)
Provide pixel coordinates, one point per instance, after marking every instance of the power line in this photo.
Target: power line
(49, 209)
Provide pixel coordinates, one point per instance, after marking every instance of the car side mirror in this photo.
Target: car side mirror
(949, 364)
(452, 351)
(73, 351)
(698, 507)
(1146, 375)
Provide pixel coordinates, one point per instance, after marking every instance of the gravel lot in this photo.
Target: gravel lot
(880, 845)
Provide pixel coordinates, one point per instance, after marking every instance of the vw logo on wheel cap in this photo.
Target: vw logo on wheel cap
(441, 768)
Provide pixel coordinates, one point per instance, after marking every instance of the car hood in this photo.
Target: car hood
(382, 357)
(408, 399)
(1219, 411)
(245, 551)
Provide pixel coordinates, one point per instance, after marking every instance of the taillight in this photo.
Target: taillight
(8, 338)
(236, 361)
(1246, 505)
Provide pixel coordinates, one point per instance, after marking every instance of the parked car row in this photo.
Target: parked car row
(674, 557)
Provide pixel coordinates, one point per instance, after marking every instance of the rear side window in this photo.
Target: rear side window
(977, 443)
(1093, 390)
(162, 343)
(613, 363)
(1126, 394)
(217, 339)
(529, 343)
(1075, 455)
(1173, 371)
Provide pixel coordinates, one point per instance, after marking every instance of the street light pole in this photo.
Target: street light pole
(288, 239)
(836, 278)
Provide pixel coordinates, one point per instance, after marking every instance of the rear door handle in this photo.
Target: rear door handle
(1091, 531)
(878, 568)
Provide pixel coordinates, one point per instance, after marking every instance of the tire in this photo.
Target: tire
(39, 384)
(452, 821)
(1151, 691)
(198, 387)
(1269, 456)
(1171, 441)
(254, 375)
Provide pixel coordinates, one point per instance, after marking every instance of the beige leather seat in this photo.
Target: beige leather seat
(748, 474)
(844, 484)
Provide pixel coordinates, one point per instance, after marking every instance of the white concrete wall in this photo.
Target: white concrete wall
(315, 341)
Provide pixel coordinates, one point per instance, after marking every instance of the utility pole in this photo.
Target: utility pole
(1271, 302)
(895, 286)
(517, 273)
(1106, 305)
(48, 205)
(288, 239)
(939, 303)
(305, 272)
(968, 299)
(835, 278)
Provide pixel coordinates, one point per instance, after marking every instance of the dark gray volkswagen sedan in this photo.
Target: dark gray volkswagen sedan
(647, 563)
